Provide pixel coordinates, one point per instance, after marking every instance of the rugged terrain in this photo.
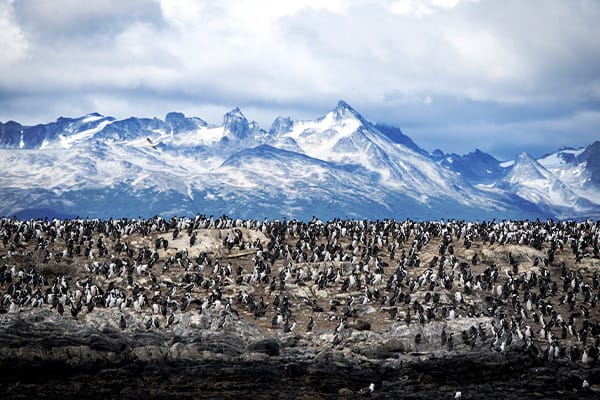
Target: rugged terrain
(338, 165)
(218, 308)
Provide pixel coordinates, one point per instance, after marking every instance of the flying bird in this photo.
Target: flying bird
(152, 144)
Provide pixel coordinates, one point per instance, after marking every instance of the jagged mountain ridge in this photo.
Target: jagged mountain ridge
(579, 169)
(531, 180)
(338, 165)
(476, 167)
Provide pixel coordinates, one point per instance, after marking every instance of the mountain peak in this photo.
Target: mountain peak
(526, 168)
(342, 105)
(591, 156)
(236, 123)
(525, 160)
(281, 125)
(178, 122)
(343, 109)
(482, 155)
(236, 111)
(174, 115)
(595, 147)
(524, 157)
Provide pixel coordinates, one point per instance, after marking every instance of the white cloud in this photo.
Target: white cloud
(300, 57)
(421, 8)
(444, 4)
(294, 51)
(77, 18)
(12, 40)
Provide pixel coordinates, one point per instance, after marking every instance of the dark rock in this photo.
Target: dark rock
(266, 346)
(361, 325)
(382, 350)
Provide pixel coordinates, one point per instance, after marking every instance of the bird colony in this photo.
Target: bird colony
(441, 286)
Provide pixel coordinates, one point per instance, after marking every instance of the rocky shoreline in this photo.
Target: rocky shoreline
(46, 356)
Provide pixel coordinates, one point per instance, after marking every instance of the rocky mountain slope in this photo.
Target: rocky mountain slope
(340, 165)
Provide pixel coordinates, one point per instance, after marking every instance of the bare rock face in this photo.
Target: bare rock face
(205, 363)
(266, 346)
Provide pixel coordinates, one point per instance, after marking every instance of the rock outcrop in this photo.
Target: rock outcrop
(43, 355)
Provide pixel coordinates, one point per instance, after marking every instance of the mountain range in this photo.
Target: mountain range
(339, 165)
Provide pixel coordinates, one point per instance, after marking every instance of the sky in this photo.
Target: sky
(503, 76)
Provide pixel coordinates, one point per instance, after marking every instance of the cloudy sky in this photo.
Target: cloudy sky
(503, 76)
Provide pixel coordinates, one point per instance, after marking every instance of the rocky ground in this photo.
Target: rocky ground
(143, 310)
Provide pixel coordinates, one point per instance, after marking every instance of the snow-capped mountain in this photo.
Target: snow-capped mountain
(340, 165)
(475, 167)
(61, 133)
(530, 180)
(579, 169)
(344, 137)
(396, 135)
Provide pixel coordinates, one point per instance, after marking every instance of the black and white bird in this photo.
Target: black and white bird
(367, 391)
(311, 324)
(289, 327)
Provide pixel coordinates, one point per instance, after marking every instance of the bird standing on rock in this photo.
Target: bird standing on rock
(444, 336)
(289, 327)
(418, 339)
(311, 324)
(585, 384)
(368, 390)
